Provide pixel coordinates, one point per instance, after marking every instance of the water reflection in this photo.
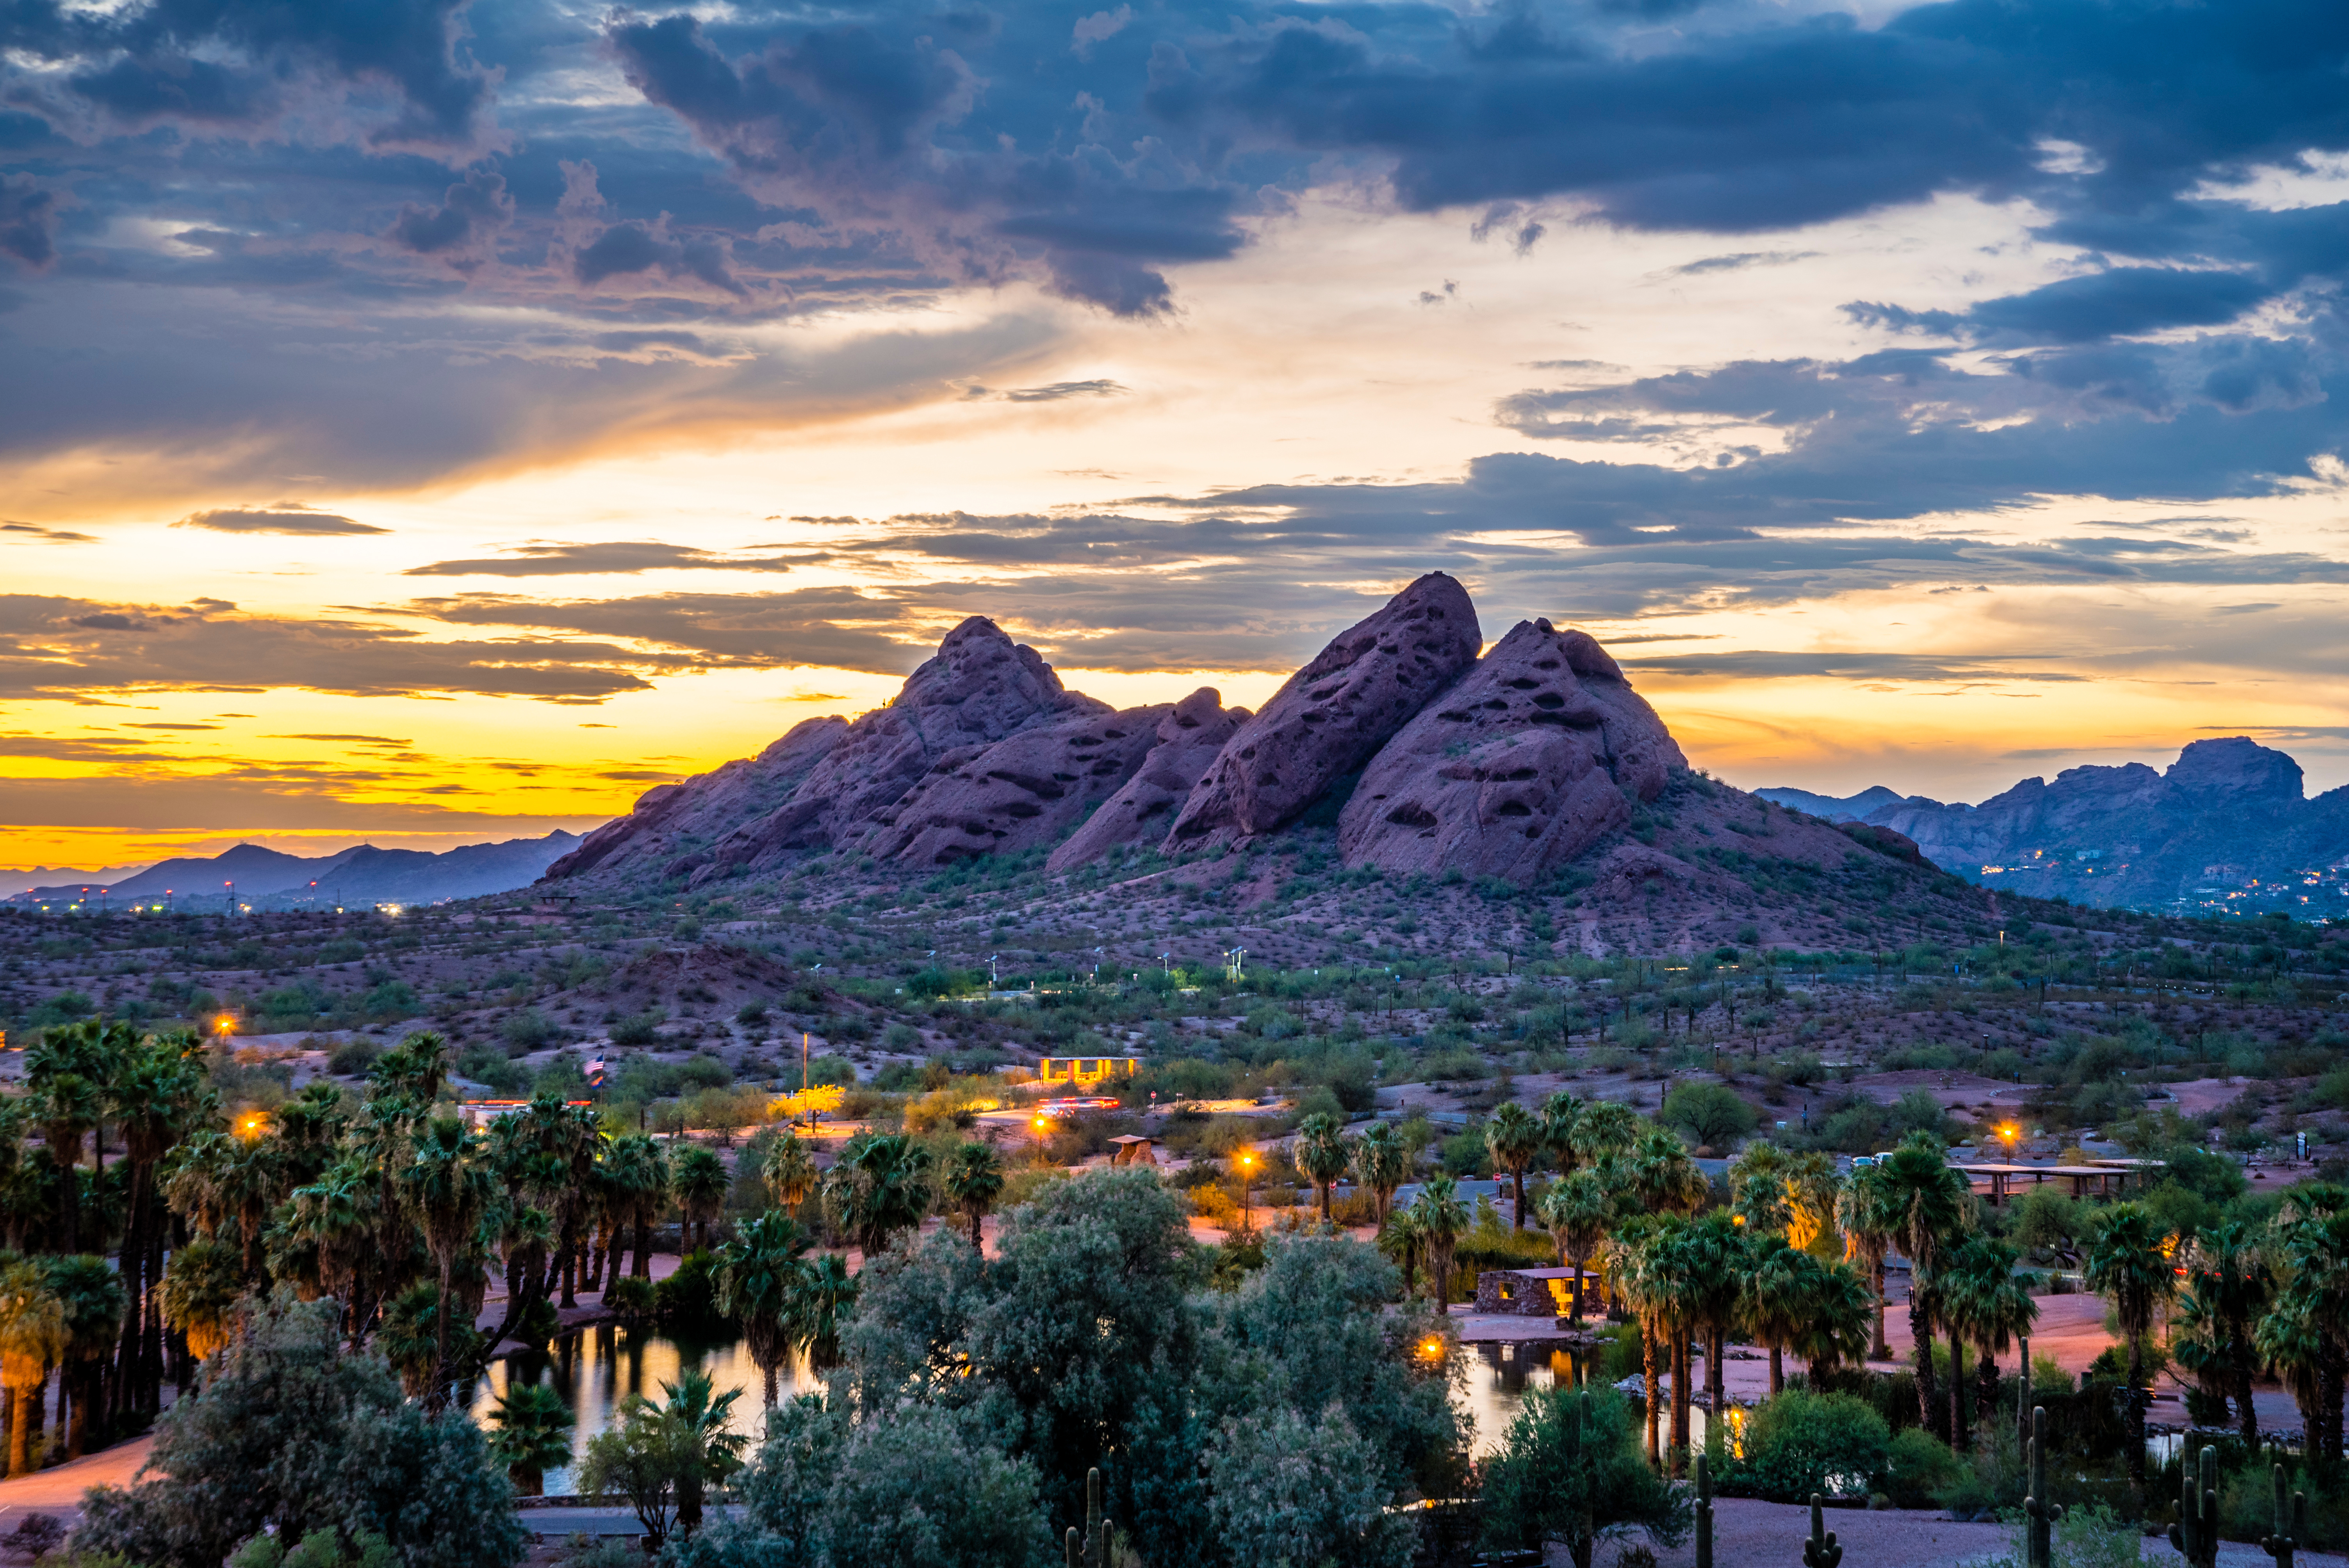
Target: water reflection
(595, 1369)
(1493, 1379)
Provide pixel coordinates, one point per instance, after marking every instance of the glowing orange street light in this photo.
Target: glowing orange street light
(226, 1025)
(1431, 1348)
(1247, 1190)
(1040, 1124)
(251, 1124)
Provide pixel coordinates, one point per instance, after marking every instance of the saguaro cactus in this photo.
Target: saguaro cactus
(2196, 1533)
(1704, 1513)
(2291, 1524)
(1820, 1551)
(1091, 1549)
(2039, 1514)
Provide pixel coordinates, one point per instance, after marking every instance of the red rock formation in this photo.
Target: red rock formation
(1532, 757)
(672, 822)
(1333, 715)
(1020, 793)
(1188, 739)
(980, 689)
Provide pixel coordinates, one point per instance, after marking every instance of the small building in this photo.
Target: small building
(1086, 1070)
(1530, 1293)
(479, 1113)
(1132, 1149)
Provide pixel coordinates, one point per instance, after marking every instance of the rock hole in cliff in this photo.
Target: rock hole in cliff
(1412, 815)
(1549, 699)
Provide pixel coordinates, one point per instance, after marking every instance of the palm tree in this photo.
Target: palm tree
(450, 1188)
(33, 1334)
(695, 1418)
(1757, 1188)
(92, 1296)
(1715, 1282)
(700, 1181)
(1381, 1165)
(1644, 1289)
(1605, 1127)
(1321, 1154)
(415, 1069)
(1579, 1208)
(1777, 1300)
(789, 1172)
(757, 1273)
(66, 1074)
(1869, 1213)
(1663, 1176)
(2130, 1265)
(201, 1288)
(533, 1436)
(822, 1295)
(2311, 1257)
(880, 1189)
(2291, 1342)
(1934, 1203)
(637, 1172)
(335, 1215)
(1987, 1305)
(1838, 1316)
(1562, 1116)
(973, 1182)
(159, 1094)
(1515, 1136)
(1405, 1243)
(2228, 1285)
(1812, 1187)
(1441, 1217)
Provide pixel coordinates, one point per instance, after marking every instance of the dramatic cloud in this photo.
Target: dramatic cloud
(52, 646)
(244, 66)
(28, 222)
(616, 556)
(240, 520)
(29, 533)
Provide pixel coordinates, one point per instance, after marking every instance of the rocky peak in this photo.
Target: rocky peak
(1188, 739)
(1333, 715)
(2236, 770)
(1532, 757)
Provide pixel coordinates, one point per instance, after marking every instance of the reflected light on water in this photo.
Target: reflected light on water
(594, 1371)
(1491, 1381)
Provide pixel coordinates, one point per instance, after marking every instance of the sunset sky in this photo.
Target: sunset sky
(430, 422)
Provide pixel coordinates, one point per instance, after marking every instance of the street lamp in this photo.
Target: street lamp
(1041, 1123)
(1248, 1191)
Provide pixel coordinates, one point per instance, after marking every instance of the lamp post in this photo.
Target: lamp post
(1040, 1122)
(1248, 1191)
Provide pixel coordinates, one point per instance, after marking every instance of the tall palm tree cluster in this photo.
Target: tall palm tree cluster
(1795, 1262)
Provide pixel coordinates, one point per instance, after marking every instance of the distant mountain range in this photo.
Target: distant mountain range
(2225, 827)
(14, 881)
(360, 875)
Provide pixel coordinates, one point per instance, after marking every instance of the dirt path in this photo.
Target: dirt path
(1752, 1534)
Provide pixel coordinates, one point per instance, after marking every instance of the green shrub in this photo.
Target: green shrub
(1919, 1469)
(352, 1058)
(630, 1299)
(636, 1029)
(530, 1030)
(1799, 1442)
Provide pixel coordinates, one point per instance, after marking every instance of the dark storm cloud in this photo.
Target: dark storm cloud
(616, 556)
(28, 222)
(210, 67)
(230, 519)
(469, 214)
(762, 162)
